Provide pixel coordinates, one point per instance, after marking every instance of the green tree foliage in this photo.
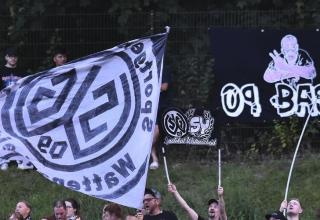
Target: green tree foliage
(87, 26)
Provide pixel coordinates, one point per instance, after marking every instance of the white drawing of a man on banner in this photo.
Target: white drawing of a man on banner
(291, 64)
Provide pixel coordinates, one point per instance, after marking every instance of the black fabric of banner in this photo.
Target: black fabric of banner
(242, 58)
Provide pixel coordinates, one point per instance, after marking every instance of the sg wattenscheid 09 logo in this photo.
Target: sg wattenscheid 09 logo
(194, 127)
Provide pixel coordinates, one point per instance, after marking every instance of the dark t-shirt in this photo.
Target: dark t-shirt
(28, 218)
(164, 99)
(10, 75)
(165, 96)
(164, 215)
(200, 218)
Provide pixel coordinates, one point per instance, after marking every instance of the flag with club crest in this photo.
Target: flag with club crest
(88, 125)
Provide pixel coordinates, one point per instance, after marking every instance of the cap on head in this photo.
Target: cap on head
(276, 215)
(11, 52)
(212, 201)
(152, 192)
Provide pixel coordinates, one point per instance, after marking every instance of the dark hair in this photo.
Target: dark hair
(74, 204)
(59, 50)
(59, 204)
(132, 211)
(276, 215)
(11, 51)
(112, 209)
(27, 204)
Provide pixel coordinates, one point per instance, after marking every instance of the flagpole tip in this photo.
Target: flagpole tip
(167, 29)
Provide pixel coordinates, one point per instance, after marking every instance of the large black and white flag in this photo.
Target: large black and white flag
(88, 125)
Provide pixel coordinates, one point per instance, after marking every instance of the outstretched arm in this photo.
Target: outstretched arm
(192, 214)
(223, 212)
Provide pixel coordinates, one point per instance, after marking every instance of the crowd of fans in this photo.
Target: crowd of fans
(10, 73)
(69, 209)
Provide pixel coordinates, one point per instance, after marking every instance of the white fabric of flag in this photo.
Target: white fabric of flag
(88, 125)
(8, 153)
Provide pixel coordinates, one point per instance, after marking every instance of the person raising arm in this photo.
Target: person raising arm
(216, 209)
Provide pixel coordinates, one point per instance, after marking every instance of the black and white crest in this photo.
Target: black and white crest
(88, 124)
(194, 127)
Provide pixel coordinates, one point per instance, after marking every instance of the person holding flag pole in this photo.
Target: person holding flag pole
(216, 208)
(95, 125)
(293, 208)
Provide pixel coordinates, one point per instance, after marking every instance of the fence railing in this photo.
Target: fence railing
(87, 33)
(83, 34)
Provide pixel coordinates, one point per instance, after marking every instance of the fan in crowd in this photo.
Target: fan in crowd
(10, 73)
(24, 208)
(277, 215)
(59, 56)
(59, 211)
(216, 208)
(164, 102)
(152, 207)
(112, 212)
(73, 209)
(293, 208)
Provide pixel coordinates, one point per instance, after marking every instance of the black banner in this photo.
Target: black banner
(262, 75)
(194, 126)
